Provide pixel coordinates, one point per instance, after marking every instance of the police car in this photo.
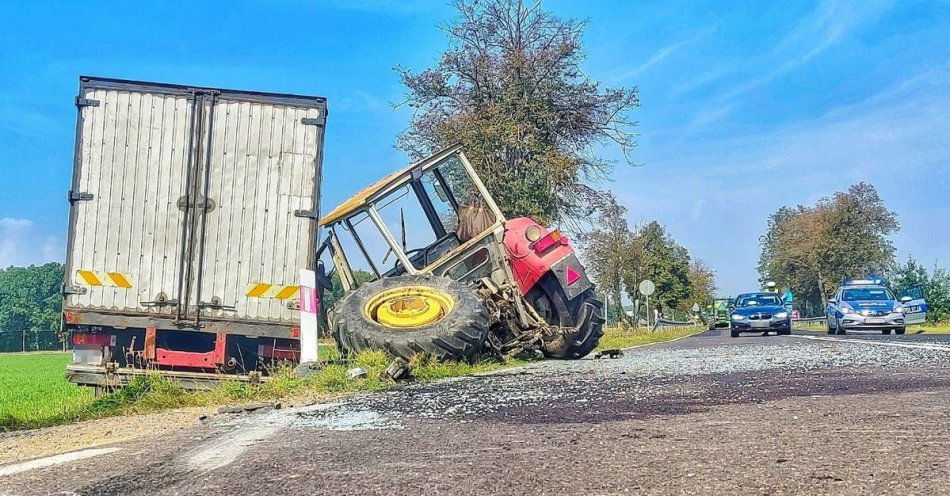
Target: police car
(866, 304)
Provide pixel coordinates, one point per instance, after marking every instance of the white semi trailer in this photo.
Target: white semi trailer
(192, 210)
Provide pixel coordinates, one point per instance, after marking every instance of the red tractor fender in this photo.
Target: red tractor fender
(531, 260)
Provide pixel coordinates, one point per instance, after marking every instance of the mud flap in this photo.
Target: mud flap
(572, 276)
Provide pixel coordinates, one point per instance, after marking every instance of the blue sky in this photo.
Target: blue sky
(747, 106)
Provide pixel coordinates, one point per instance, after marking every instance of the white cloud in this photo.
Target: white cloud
(716, 195)
(828, 24)
(21, 243)
(660, 55)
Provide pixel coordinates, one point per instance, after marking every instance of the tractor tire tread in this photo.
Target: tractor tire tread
(458, 336)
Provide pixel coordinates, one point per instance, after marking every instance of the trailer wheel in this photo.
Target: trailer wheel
(585, 314)
(414, 314)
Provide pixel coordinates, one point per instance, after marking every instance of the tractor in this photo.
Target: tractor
(428, 264)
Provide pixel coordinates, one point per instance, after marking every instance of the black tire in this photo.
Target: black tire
(548, 299)
(785, 332)
(828, 324)
(885, 331)
(458, 336)
(734, 333)
(902, 330)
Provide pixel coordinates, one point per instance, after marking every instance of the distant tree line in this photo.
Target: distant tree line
(30, 297)
(30, 306)
(934, 285)
(811, 249)
(619, 258)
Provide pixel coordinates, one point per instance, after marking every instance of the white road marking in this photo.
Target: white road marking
(229, 447)
(226, 449)
(919, 346)
(54, 460)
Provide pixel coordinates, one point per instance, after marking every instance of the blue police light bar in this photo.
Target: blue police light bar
(858, 282)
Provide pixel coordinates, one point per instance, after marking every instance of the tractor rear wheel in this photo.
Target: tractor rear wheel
(414, 314)
(549, 300)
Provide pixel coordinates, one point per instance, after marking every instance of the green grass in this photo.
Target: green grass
(625, 337)
(35, 393)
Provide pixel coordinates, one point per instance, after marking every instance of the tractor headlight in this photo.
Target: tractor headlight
(736, 316)
(533, 233)
(781, 315)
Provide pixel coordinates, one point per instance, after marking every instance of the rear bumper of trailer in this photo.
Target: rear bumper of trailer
(104, 377)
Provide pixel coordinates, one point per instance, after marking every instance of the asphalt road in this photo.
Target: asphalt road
(709, 414)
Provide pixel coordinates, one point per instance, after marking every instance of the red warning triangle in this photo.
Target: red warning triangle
(572, 276)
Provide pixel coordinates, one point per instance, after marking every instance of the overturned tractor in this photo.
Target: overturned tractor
(428, 264)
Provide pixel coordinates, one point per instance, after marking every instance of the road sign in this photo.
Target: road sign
(695, 307)
(647, 287)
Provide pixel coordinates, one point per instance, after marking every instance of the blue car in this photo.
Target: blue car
(866, 304)
(759, 312)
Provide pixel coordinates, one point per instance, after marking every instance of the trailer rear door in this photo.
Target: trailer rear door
(192, 204)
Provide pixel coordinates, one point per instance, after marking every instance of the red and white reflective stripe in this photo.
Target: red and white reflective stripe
(309, 302)
(309, 308)
(88, 339)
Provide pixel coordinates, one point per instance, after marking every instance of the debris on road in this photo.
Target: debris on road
(264, 406)
(397, 370)
(306, 369)
(357, 373)
(612, 353)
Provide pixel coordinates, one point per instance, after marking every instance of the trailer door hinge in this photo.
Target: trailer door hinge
(311, 121)
(74, 196)
(309, 214)
(86, 102)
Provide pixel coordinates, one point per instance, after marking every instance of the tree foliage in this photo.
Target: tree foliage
(618, 259)
(609, 255)
(934, 284)
(702, 286)
(510, 89)
(30, 297)
(659, 258)
(811, 249)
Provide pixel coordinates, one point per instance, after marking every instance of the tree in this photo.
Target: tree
(510, 89)
(934, 285)
(811, 249)
(656, 256)
(30, 297)
(702, 286)
(608, 254)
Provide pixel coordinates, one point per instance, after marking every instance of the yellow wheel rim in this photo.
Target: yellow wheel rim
(408, 307)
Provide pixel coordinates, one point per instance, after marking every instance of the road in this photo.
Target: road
(709, 414)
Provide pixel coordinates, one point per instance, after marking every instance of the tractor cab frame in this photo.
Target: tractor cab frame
(433, 218)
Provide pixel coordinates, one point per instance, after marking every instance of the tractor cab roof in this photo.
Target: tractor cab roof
(384, 185)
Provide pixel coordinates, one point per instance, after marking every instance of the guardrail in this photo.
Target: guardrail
(671, 323)
(810, 319)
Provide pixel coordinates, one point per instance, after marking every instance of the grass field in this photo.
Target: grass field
(34, 391)
(619, 337)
